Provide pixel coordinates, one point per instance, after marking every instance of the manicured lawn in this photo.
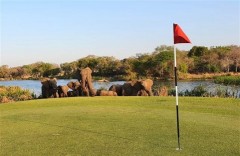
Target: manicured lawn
(120, 126)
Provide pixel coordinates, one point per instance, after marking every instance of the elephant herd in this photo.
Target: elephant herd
(134, 88)
(84, 87)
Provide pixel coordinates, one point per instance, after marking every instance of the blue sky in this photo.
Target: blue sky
(58, 31)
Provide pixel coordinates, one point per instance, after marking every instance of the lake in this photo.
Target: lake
(35, 85)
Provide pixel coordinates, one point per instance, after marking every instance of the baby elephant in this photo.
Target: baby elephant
(63, 91)
(106, 93)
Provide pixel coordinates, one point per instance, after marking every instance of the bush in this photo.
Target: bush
(199, 91)
(227, 80)
(15, 93)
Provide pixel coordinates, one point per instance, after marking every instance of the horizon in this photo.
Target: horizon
(59, 31)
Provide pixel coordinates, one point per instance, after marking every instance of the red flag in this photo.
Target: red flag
(179, 35)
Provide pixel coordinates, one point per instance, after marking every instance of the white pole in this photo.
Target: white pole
(175, 71)
(176, 88)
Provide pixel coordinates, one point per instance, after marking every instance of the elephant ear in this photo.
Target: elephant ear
(150, 82)
(147, 83)
(76, 85)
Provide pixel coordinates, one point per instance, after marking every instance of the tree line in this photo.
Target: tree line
(157, 64)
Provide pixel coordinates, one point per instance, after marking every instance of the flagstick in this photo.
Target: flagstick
(175, 74)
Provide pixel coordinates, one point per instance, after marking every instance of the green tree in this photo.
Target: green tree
(126, 70)
(90, 61)
(223, 57)
(141, 65)
(163, 64)
(235, 57)
(185, 64)
(28, 69)
(107, 66)
(197, 51)
(68, 70)
(4, 71)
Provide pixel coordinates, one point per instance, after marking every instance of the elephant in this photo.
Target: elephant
(106, 93)
(116, 88)
(76, 87)
(49, 88)
(85, 77)
(132, 88)
(147, 85)
(62, 91)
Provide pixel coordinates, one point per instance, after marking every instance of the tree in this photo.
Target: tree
(235, 56)
(185, 64)
(223, 59)
(107, 66)
(141, 64)
(69, 69)
(197, 51)
(18, 72)
(127, 68)
(90, 61)
(28, 69)
(163, 63)
(163, 48)
(41, 69)
(4, 71)
(210, 62)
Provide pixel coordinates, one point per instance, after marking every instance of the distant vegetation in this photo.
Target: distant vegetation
(10, 94)
(227, 80)
(157, 64)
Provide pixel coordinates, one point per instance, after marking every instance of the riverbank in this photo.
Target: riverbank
(205, 76)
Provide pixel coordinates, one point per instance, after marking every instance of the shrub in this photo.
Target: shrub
(227, 80)
(14, 93)
(197, 91)
(201, 91)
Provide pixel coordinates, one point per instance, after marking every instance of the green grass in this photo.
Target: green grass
(120, 126)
